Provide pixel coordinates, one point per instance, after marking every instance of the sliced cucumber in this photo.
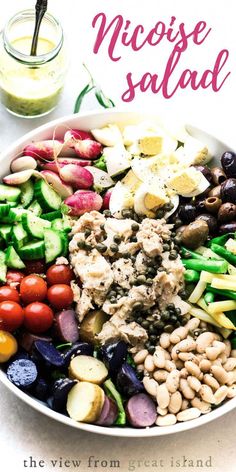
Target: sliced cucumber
(15, 214)
(65, 243)
(19, 236)
(12, 204)
(5, 232)
(58, 224)
(53, 215)
(54, 244)
(35, 226)
(4, 209)
(27, 193)
(48, 199)
(35, 208)
(3, 267)
(13, 260)
(66, 223)
(32, 250)
(9, 193)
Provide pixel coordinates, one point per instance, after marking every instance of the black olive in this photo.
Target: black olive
(227, 212)
(218, 175)
(200, 205)
(212, 204)
(228, 228)
(187, 212)
(228, 191)
(228, 162)
(205, 171)
(215, 192)
(210, 220)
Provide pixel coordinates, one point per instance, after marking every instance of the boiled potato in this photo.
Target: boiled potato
(92, 325)
(85, 401)
(88, 369)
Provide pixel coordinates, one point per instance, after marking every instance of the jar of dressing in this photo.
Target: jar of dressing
(30, 86)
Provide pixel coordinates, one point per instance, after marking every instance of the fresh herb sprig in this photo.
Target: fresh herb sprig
(102, 99)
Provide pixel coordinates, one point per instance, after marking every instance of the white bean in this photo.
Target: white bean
(178, 335)
(172, 381)
(159, 359)
(192, 324)
(212, 353)
(208, 379)
(188, 414)
(194, 383)
(205, 365)
(186, 345)
(220, 374)
(206, 394)
(233, 353)
(231, 377)
(170, 365)
(140, 357)
(167, 420)
(149, 363)
(165, 340)
(162, 396)
(186, 390)
(188, 356)
(160, 375)
(231, 391)
(184, 373)
(140, 368)
(162, 411)
(150, 386)
(220, 345)
(185, 404)
(175, 402)
(230, 364)
(223, 358)
(203, 341)
(220, 394)
(201, 405)
(227, 344)
(192, 368)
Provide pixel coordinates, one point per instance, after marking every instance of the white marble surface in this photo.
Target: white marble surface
(23, 431)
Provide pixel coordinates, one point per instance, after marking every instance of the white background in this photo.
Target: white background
(24, 432)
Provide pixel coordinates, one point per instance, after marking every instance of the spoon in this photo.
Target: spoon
(40, 10)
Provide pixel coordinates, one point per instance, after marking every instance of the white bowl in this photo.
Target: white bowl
(88, 121)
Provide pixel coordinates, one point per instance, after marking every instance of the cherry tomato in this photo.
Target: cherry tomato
(9, 294)
(14, 277)
(60, 296)
(35, 267)
(11, 315)
(59, 274)
(38, 317)
(33, 288)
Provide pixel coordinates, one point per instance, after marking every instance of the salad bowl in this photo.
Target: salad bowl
(88, 121)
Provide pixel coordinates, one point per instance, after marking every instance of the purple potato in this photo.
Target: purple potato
(79, 348)
(60, 390)
(27, 340)
(109, 413)
(41, 389)
(66, 327)
(141, 411)
(49, 354)
(114, 354)
(127, 381)
(22, 373)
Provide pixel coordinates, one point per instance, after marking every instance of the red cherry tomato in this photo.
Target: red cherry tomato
(14, 277)
(59, 274)
(60, 296)
(38, 317)
(9, 294)
(33, 288)
(11, 316)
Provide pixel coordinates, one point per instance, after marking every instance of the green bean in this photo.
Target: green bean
(230, 294)
(186, 253)
(224, 253)
(221, 240)
(209, 297)
(191, 275)
(216, 267)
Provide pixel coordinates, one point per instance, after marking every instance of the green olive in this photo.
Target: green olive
(212, 204)
(195, 234)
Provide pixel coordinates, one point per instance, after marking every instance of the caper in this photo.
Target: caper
(114, 247)
(87, 232)
(102, 226)
(135, 226)
(152, 329)
(183, 294)
(168, 328)
(165, 315)
(151, 349)
(173, 255)
(184, 320)
(149, 282)
(161, 269)
(152, 338)
(133, 239)
(88, 247)
(126, 213)
(166, 247)
(133, 258)
(177, 324)
(126, 255)
(107, 213)
(158, 324)
(160, 214)
(139, 319)
(145, 324)
(171, 306)
(137, 305)
(178, 311)
(112, 293)
(81, 244)
(117, 238)
(113, 300)
(177, 239)
(101, 247)
(141, 279)
(173, 319)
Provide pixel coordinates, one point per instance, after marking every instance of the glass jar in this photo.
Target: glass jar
(31, 86)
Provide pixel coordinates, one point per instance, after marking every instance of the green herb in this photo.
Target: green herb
(101, 163)
(102, 99)
(111, 391)
(130, 361)
(63, 346)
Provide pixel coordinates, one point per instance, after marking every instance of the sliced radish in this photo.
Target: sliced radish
(83, 201)
(57, 184)
(101, 178)
(106, 199)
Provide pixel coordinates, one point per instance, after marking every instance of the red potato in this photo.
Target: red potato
(106, 199)
(66, 327)
(57, 183)
(43, 149)
(27, 340)
(83, 201)
(109, 413)
(77, 176)
(141, 411)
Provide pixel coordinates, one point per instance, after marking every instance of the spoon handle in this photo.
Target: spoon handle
(40, 8)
